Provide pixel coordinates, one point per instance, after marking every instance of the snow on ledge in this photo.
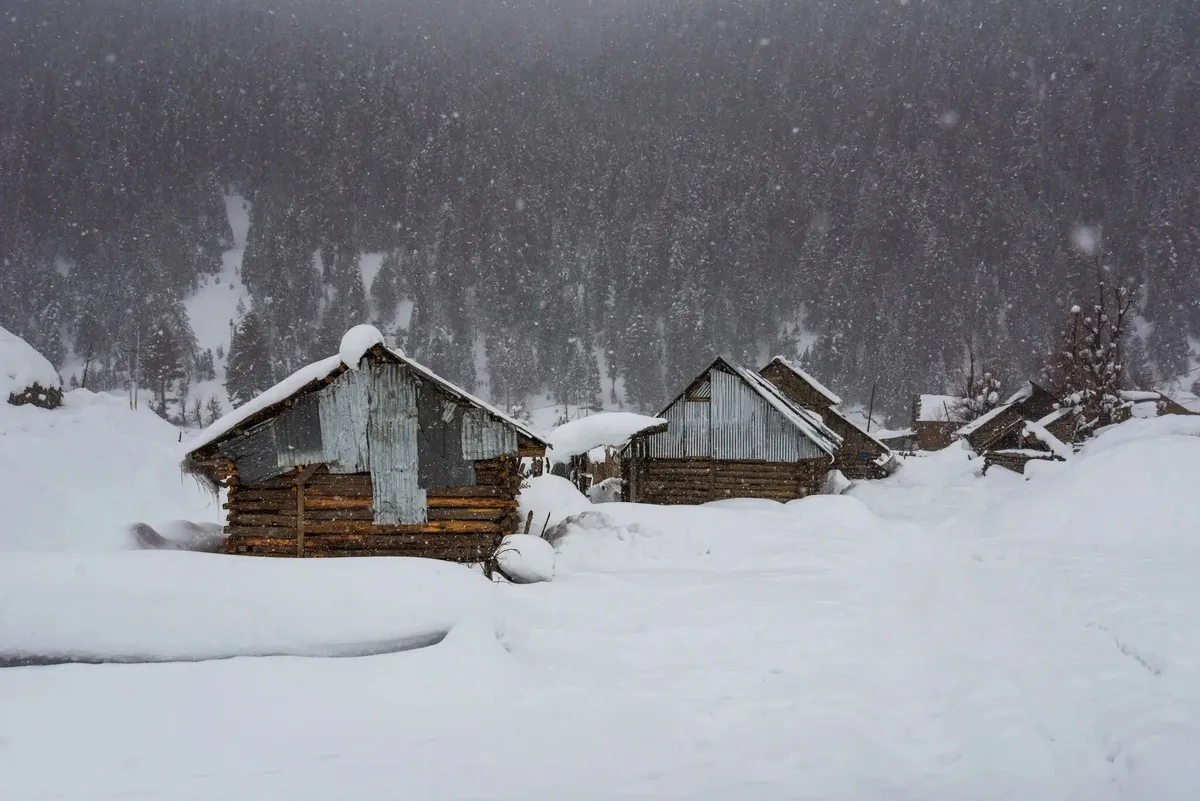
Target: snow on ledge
(613, 429)
(1056, 445)
(356, 342)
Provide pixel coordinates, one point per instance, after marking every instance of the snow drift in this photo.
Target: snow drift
(79, 476)
(163, 606)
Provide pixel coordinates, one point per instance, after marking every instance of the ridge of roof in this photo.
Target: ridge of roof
(807, 377)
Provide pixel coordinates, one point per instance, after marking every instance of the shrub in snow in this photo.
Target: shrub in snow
(26, 376)
(525, 559)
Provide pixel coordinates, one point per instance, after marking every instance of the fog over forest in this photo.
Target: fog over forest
(601, 194)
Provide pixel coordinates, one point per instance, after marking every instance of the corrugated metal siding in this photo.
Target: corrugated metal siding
(484, 437)
(392, 432)
(746, 426)
(701, 391)
(298, 433)
(697, 429)
(669, 443)
(344, 411)
(255, 454)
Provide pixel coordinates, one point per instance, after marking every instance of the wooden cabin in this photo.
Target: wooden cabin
(730, 434)
(935, 418)
(379, 457)
(26, 376)
(1029, 441)
(861, 455)
(1156, 404)
(998, 428)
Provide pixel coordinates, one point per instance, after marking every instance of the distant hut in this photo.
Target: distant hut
(861, 455)
(26, 376)
(1033, 440)
(1155, 404)
(731, 434)
(587, 451)
(935, 418)
(1000, 427)
(366, 453)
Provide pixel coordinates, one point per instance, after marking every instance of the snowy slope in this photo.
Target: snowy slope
(75, 477)
(936, 635)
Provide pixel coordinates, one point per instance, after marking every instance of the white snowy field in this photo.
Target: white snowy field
(936, 635)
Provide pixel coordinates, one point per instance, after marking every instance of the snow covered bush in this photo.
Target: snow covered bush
(525, 559)
(550, 499)
(26, 376)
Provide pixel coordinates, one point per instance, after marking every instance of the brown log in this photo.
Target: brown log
(432, 527)
(276, 520)
(496, 502)
(313, 501)
(464, 492)
(262, 496)
(341, 542)
(240, 507)
(495, 515)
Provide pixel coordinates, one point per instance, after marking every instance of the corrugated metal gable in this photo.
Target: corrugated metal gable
(746, 426)
(344, 411)
(392, 432)
(485, 437)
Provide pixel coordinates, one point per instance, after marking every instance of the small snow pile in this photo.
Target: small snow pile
(550, 499)
(1055, 445)
(78, 477)
(164, 606)
(26, 376)
(607, 491)
(356, 342)
(835, 483)
(525, 559)
(613, 429)
(746, 504)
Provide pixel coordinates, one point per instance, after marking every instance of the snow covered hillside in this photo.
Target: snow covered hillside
(76, 477)
(935, 635)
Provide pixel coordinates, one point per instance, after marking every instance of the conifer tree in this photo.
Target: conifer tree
(248, 372)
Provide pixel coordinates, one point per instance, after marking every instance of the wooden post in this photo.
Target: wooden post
(871, 409)
(302, 476)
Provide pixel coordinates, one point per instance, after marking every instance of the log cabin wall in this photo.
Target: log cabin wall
(464, 523)
(695, 481)
(855, 443)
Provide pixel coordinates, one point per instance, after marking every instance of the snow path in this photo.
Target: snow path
(932, 636)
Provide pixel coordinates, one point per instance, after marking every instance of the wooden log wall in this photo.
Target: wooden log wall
(694, 481)
(465, 523)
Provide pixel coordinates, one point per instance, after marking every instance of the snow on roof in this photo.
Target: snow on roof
(1139, 396)
(982, 420)
(1055, 416)
(873, 437)
(327, 367)
(1024, 393)
(938, 409)
(606, 428)
(21, 367)
(807, 377)
(356, 342)
(809, 423)
(1053, 443)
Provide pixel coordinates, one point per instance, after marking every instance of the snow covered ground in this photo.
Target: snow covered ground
(936, 635)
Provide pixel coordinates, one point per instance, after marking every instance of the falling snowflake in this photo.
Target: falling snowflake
(1086, 239)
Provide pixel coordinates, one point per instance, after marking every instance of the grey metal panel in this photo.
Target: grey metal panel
(392, 432)
(703, 390)
(697, 429)
(255, 454)
(344, 411)
(298, 433)
(669, 444)
(485, 437)
(746, 426)
(440, 462)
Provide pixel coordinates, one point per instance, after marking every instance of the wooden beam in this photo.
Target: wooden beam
(302, 476)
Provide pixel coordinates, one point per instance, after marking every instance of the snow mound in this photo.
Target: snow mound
(149, 606)
(551, 499)
(78, 477)
(21, 367)
(613, 429)
(747, 504)
(607, 491)
(835, 483)
(356, 342)
(526, 559)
